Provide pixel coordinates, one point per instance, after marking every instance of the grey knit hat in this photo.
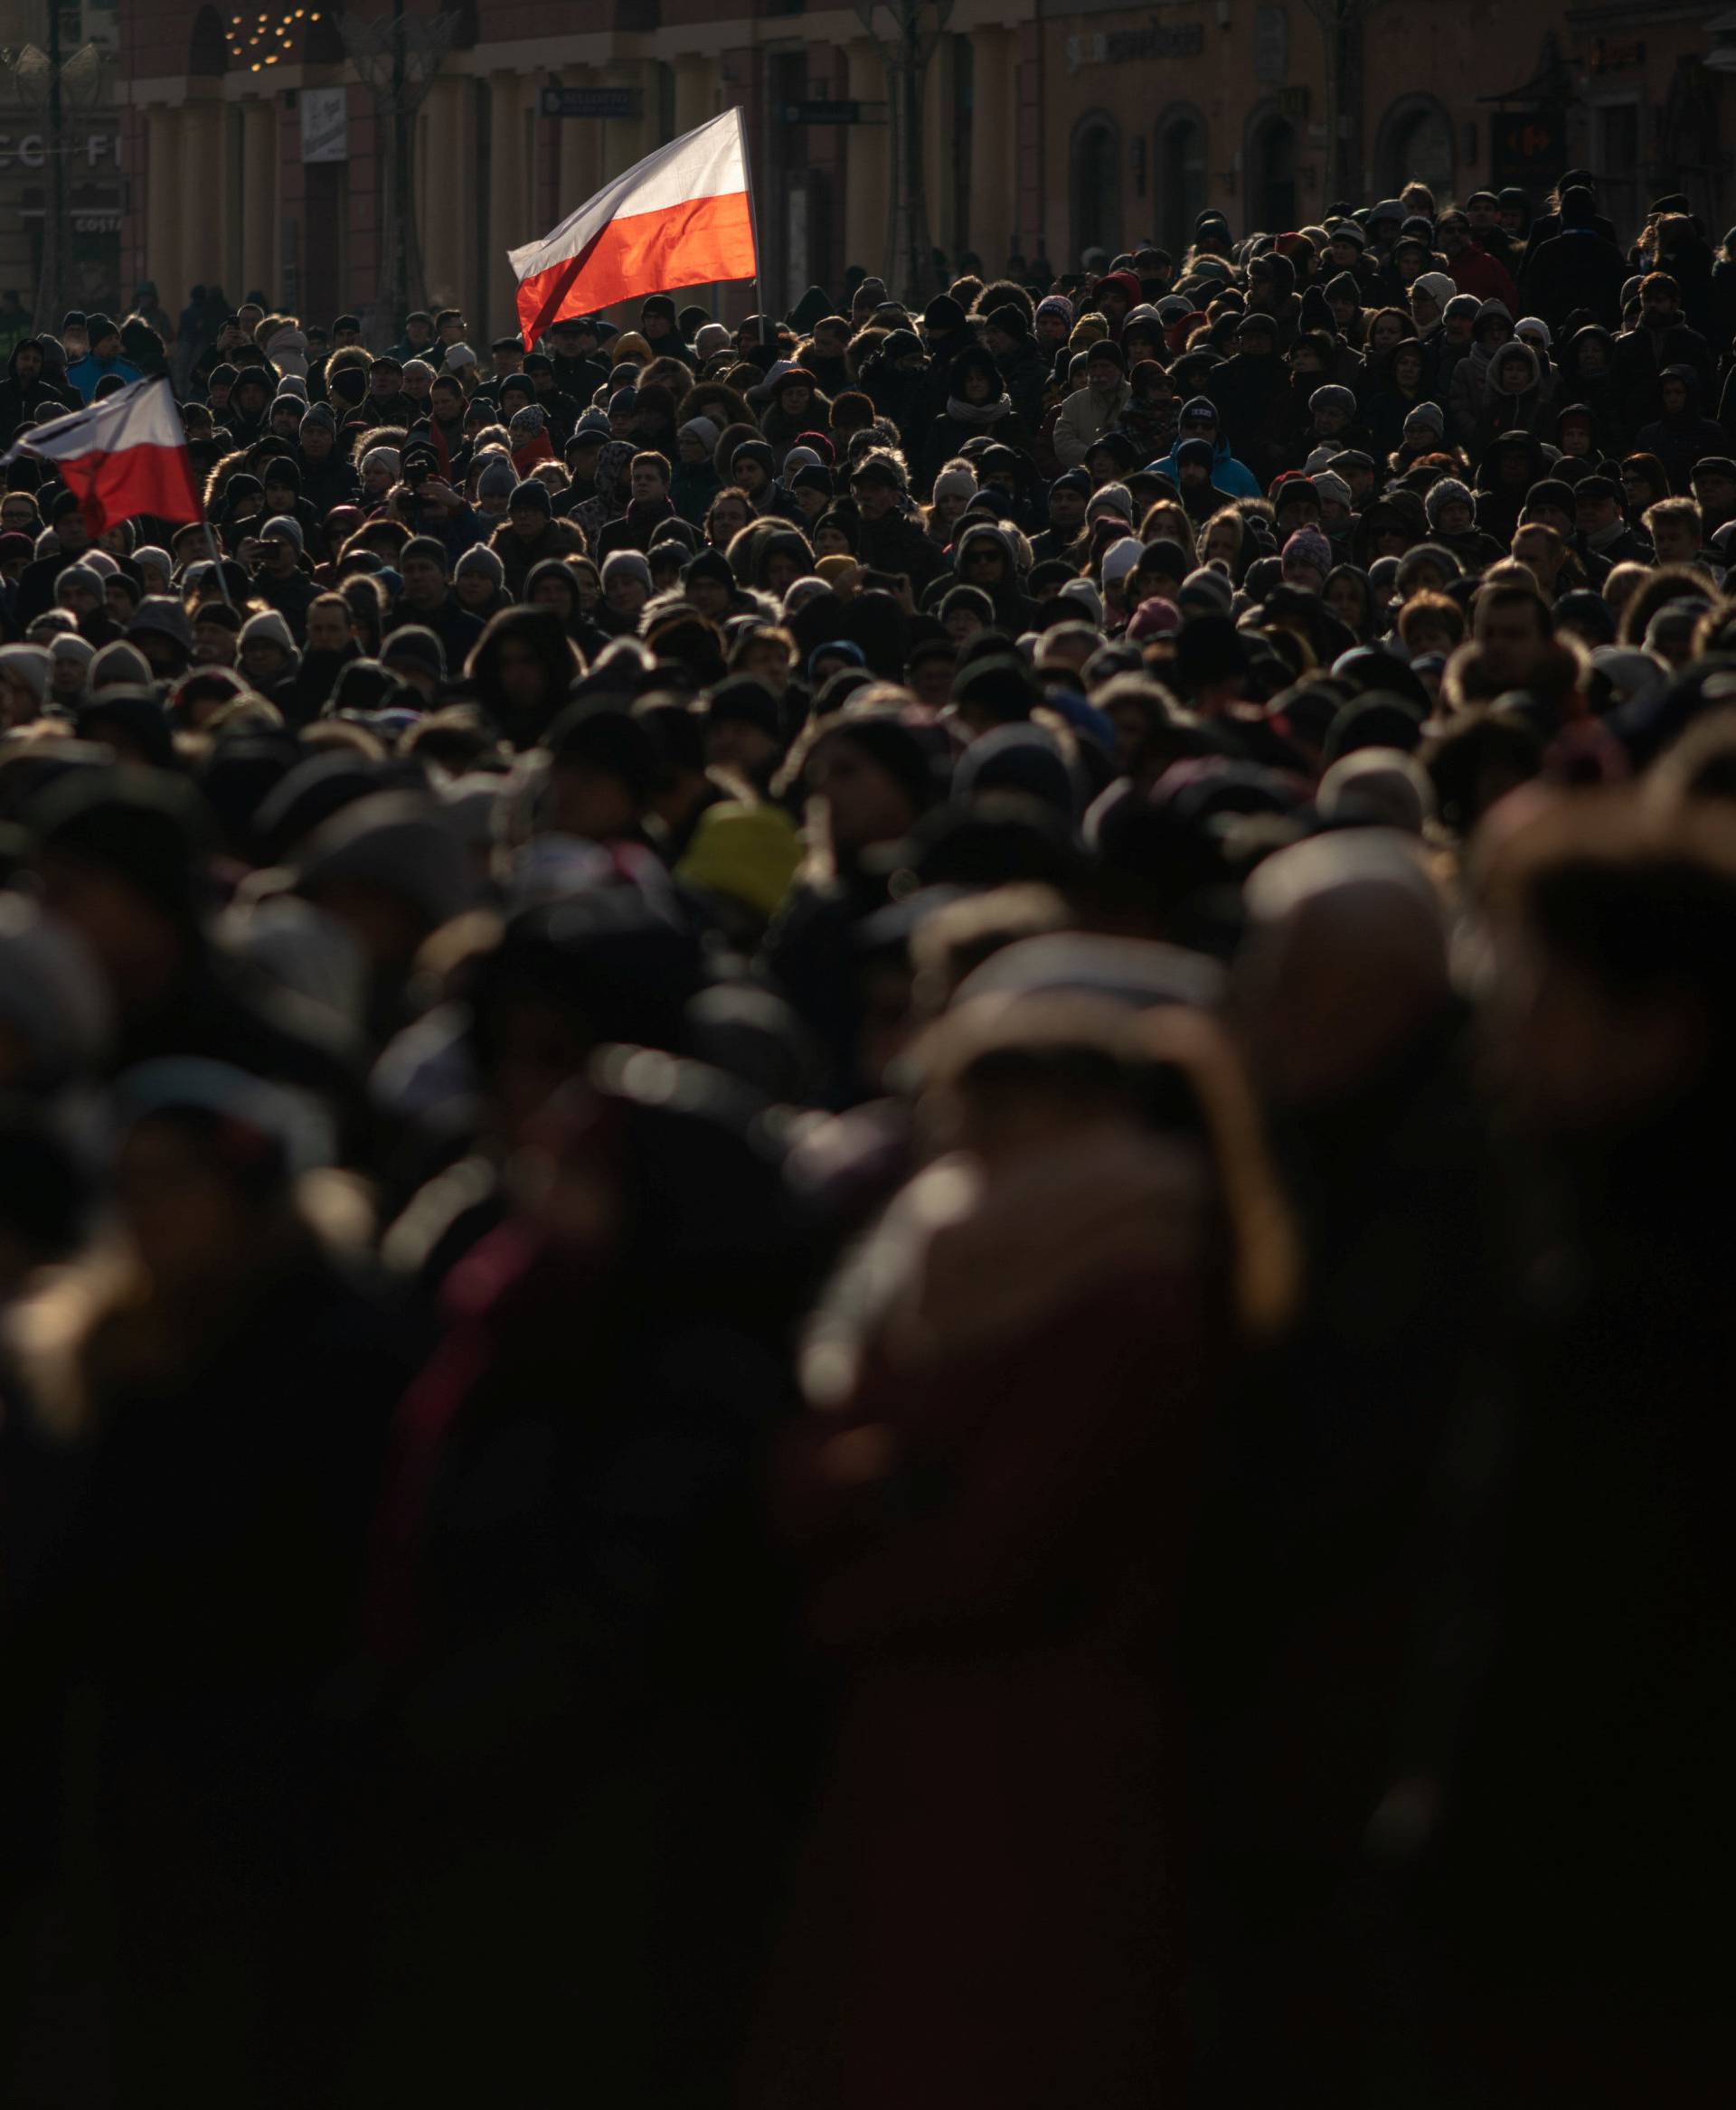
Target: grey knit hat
(480, 558)
(499, 478)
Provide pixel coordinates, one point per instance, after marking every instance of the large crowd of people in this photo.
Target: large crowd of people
(861, 1242)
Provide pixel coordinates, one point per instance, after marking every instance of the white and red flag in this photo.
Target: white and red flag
(121, 456)
(683, 216)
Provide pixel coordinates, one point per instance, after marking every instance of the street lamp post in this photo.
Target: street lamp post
(398, 56)
(907, 33)
(1338, 20)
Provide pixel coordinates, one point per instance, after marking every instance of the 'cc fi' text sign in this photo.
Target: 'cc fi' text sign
(96, 150)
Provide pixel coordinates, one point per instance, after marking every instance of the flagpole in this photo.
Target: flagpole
(217, 562)
(753, 221)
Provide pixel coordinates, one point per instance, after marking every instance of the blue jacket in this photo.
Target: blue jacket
(1235, 479)
(90, 370)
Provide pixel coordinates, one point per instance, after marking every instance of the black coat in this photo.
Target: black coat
(1577, 269)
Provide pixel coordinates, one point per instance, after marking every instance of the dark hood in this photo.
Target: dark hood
(1534, 448)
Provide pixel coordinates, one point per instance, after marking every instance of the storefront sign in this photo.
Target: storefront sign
(1617, 54)
(1520, 142)
(325, 124)
(96, 150)
(589, 102)
(1127, 47)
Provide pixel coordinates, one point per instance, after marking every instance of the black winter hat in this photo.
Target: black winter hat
(146, 827)
(1000, 685)
(710, 564)
(602, 736)
(742, 701)
(895, 747)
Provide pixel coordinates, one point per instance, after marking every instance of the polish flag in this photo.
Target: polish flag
(122, 456)
(680, 217)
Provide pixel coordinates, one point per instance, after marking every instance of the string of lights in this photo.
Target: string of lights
(267, 38)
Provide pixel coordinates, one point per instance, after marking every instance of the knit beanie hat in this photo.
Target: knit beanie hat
(1438, 285)
(414, 645)
(69, 644)
(1427, 414)
(628, 564)
(28, 663)
(1308, 546)
(146, 826)
(1207, 589)
(1084, 595)
(498, 479)
(1448, 491)
(119, 665)
(319, 414)
(81, 577)
(1333, 397)
(885, 739)
(746, 853)
(530, 495)
(1330, 489)
(958, 482)
(1021, 758)
(267, 627)
(1155, 617)
(1120, 558)
(754, 450)
(1057, 304)
(480, 558)
(1111, 498)
(703, 429)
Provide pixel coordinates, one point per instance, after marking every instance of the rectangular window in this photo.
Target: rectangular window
(1616, 134)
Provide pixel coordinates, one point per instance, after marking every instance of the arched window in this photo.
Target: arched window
(1096, 185)
(1272, 175)
(1415, 145)
(1181, 176)
(207, 48)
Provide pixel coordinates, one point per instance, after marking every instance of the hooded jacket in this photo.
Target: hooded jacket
(1505, 408)
(1641, 355)
(558, 538)
(1679, 438)
(1470, 380)
(1232, 477)
(962, 420)
(1498, 502)
(1600, 392)
(1256, 405)
(1085, 417)
(20, 399)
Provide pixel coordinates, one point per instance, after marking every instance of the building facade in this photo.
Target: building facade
(252, 149)
(97, 176)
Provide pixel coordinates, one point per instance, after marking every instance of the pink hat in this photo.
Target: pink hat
(1155, 617)
(1308, 546)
